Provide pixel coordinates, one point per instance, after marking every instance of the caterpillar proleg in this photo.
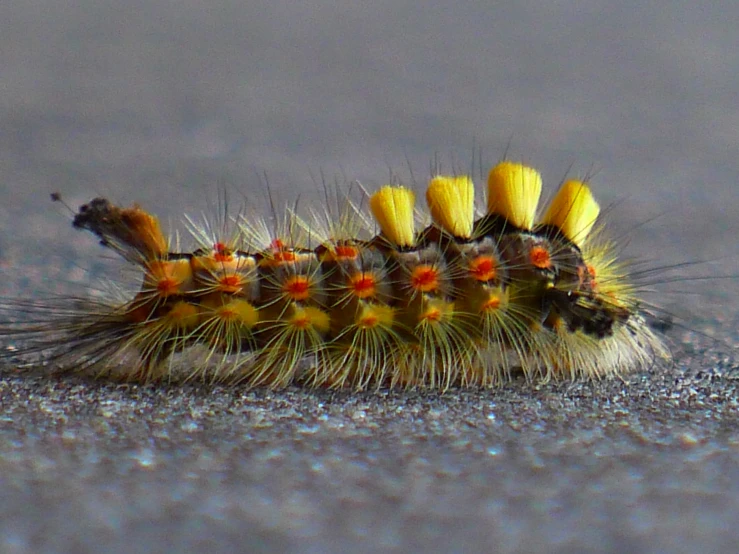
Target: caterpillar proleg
(363, 300)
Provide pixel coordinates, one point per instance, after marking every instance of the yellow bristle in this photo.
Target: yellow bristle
(238, 312)
(310, 318)
(182, 316)
(573, 211)
(435, 311)
(513, 193)
(392, 208)
(375, 315)
(451, 201)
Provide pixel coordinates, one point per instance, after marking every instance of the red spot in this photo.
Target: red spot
(301, 322)
(425, 278)
(483, 268)
(230, 283)
(593, 280)
(280, 252)
(433, 314)
(222, 253)
(297, 288)
(492, 304)
(231, 280)
(369, 321)
(345, 251)
(363, 284)
(540, 258)
(284, 256)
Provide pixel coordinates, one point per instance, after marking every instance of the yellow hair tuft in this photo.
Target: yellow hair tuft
(392, 208)
(513, 193)
(451, 201)
(573, 211)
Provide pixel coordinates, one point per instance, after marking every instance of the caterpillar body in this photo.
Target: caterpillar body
(463, 300)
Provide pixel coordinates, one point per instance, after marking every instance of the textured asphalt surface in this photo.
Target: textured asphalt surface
(167, 103)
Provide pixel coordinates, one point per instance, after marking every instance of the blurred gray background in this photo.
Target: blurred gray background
(166, 103)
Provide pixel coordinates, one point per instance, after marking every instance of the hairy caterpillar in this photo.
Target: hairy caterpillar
(460, 301)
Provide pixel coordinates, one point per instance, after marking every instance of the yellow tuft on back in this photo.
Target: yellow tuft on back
(513, 193)
(392, 207)
(452, 204)
(573, 211)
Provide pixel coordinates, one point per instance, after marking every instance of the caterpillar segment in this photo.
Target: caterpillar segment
(433, 344)
(362, 319)
(464, 301)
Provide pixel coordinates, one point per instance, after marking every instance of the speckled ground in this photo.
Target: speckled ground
(649, 464)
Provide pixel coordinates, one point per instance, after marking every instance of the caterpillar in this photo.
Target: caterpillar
(389, 298)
